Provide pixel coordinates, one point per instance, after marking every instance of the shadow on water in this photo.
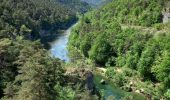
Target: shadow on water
(45, 41)
(53, 35)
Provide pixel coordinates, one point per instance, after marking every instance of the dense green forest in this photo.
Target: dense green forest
(75, 5)
(27, 72)
(127, 37)
(97, 3)
(32, 16)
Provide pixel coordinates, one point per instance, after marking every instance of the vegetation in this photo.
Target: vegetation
(28, 17)
(120, 35)
(27, 72)
(133, 12)
(126, 37)
(75, 5)
(97, 3)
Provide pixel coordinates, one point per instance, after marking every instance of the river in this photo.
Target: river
(59, 46)
(59, 50)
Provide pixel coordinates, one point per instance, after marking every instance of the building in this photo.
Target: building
(166, 13)
(166, 17)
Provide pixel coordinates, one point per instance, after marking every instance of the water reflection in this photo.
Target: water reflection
(59, 46)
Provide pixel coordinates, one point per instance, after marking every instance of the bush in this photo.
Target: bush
(110, 72)
(64, 93)
(167, 94)
(100, 50)
(159, 26)
(119, 80)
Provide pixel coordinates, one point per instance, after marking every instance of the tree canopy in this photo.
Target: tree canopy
(122, 35)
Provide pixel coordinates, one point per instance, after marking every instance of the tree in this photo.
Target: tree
(162, 69)
(7, 58)
(100, 50)
(38, 76)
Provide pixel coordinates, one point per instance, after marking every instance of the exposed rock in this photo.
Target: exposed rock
(102, 70)
(84, 77)
(89, 81)
(137, 91)
(127, 88)
(81, 74)
(142, 91)
(103, 82)
(131, 83)
(166, 17)
(166, 12)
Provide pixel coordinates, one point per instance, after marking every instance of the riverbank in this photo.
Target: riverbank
(107, 91)
(100, 74)
(48, 36)
(58, 47)
(59, 50)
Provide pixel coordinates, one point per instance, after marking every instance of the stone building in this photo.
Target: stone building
(166, 13)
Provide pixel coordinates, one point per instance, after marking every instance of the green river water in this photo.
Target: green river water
(108, 91)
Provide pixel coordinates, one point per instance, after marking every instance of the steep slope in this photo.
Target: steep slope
(26, 70)
(134, 12)
(75, 5)
(96, 3)
(33, 16)
(136, 54)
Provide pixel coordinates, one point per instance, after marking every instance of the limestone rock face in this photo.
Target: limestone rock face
(85, 79)
(166, 17)
(76, 75)
(166, 13)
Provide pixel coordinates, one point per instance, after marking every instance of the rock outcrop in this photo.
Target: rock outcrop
(89, 81)
(76, 75)
(103, 82)
(84, 77)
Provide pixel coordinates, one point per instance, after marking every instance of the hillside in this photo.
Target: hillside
(130, 41)
(27, 72)
(75, 5)
(119, 51)
(33, 16)
(96, 3)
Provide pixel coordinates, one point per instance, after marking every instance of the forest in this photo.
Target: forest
(129, 39)
(96, 3)
(27, 72)
(125, 38)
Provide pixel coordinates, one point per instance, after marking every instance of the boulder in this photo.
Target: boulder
(103, 82)
(89, 81)
(137, 91)
(142, 91)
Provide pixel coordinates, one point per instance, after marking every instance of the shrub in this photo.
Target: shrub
(110, 72)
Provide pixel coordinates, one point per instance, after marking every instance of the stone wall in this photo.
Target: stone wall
(166, 12)
(166, 17)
